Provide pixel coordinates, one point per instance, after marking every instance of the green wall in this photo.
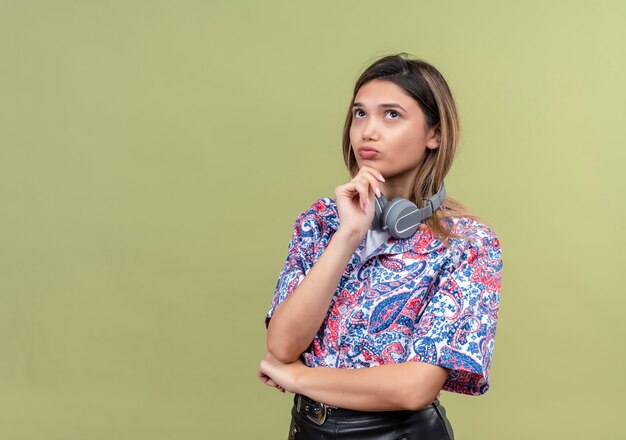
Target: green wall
(153, 157)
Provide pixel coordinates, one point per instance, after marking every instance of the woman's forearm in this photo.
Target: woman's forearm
(403, 386)
(298, 318)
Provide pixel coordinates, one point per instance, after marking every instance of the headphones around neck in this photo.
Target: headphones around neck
(400, 217)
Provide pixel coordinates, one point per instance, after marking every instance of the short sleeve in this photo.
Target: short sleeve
(299, 260)
(458, 325)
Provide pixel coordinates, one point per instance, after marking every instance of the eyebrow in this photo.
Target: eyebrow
(386, 105)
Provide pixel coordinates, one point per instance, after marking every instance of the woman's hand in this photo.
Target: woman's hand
(269, 382)
(278, 374)
(355, 201)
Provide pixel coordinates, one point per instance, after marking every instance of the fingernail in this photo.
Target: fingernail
(378, 192)
(381, 178)
(367, 205)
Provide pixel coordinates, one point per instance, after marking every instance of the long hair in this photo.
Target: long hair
(426, 85)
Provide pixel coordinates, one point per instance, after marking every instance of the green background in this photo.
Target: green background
(153, 158)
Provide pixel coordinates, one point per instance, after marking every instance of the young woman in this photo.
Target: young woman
(390, 291)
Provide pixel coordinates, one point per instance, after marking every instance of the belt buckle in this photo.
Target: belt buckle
(321, 412)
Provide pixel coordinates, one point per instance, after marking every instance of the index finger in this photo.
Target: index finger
(377, 174)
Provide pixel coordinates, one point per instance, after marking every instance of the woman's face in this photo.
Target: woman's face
(387, 120)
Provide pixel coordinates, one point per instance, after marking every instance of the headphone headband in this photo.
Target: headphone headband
(434, 203)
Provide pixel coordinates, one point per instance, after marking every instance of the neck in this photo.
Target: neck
(400, 185)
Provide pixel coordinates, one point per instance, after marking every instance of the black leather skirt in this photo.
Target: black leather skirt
(312, 420)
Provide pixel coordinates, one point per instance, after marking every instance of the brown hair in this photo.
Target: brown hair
(426, 85)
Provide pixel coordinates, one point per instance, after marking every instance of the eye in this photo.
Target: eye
(356, 113)
(397, 115)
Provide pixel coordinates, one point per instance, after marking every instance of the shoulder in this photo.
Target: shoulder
(321, 216)
(314, 227)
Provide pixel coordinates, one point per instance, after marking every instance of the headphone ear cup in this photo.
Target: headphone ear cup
(401, 217)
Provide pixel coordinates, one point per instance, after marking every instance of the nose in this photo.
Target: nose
(370, 131)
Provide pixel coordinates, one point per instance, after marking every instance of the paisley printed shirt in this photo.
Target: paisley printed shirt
(411, 300)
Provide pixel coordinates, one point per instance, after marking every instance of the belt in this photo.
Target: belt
(318, 412)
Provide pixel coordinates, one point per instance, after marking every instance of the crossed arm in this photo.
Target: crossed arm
(404, 386)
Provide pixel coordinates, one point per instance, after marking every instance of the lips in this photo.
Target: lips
(367, 152)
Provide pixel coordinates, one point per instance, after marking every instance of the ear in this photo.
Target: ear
(434, 137)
